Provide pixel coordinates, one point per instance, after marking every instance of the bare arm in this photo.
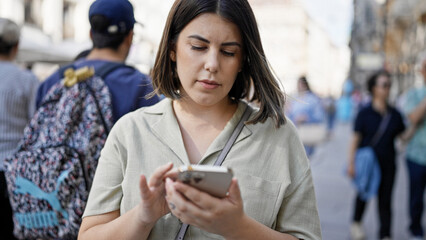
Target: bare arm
(418, 114)
(138, 222)
(356, 139)
(113, 226)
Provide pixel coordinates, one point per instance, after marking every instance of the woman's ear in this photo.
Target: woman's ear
(173, 55)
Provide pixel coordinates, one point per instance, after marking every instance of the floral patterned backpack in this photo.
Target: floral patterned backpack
(50, 175)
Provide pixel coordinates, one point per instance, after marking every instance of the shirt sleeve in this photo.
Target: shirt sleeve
(359, 123)
(106, 192)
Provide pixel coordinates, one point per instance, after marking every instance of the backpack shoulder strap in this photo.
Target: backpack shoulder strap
(102, 72)
(109, 67)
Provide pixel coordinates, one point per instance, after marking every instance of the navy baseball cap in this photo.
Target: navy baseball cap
(118, 12)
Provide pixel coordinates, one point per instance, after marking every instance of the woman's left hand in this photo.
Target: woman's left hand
(200, 209)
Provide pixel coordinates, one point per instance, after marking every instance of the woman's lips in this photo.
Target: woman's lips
(207, 84)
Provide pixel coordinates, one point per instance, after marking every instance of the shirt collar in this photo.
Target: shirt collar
(165, 126)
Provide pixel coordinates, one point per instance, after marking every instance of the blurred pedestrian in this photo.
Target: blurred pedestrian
(210, 53)
(345, 104)
(415, 109)
(330, 110)
(366, 126)
(111, 32)
(306, 109)
(17, 103)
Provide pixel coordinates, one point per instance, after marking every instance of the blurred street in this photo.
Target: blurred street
(321, 55)
(335, 194)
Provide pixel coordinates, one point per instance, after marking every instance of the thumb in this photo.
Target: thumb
(234, 191)
(143, 187)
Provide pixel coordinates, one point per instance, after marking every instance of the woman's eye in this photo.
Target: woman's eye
(229, 54)
(198, 48)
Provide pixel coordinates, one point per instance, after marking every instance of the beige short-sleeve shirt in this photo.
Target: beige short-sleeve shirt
(270, 164)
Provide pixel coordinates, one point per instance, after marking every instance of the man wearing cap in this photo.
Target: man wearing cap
(17, 96)
(111, 32)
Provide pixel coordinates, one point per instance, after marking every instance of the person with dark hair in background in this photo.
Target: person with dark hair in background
(415, 110)
(366, 125)
(18, 89)
(111, 32)
(209, 55)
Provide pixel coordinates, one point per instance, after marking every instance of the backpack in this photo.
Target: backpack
(50, 175)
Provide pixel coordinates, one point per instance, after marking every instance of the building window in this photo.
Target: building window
(28, 13)
(68, 30)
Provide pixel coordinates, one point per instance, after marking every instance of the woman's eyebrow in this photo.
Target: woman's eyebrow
(198, 37)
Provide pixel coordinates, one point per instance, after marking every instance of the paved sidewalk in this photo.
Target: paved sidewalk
(335, 194)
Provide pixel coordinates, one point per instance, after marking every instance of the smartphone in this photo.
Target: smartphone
(214, 180)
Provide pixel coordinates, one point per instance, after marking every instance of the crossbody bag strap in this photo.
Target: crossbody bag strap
(233, 137)
(382, 127)
(221, 158)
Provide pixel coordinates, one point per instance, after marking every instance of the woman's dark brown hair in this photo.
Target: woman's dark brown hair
(372, 80)
(255, 66)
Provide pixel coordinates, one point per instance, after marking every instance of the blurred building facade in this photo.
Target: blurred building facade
(297, 45)
(388, 34)
(294, 43)
(405, 40)
(55, 31)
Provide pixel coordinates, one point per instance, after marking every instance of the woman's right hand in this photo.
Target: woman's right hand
(153, 204)
(351, 170)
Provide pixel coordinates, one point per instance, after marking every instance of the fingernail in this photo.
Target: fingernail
(168, 181)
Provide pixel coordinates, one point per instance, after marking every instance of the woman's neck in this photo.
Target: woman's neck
(379, 105)
(200, 125)
(217, 115)
(106, 54)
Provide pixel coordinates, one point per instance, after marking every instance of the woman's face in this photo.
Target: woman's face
(208, 56)
(382, 87)
(301, 86)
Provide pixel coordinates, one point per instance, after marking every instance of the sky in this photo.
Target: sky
(335, 17)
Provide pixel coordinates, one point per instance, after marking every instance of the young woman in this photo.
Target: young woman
(366, 125)
(209, 54)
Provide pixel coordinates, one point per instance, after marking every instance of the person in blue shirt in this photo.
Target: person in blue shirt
(366, 125)
(306, 109)
(111, 32)
(415, 110)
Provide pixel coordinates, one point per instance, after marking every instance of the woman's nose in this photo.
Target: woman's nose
(212, 62)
